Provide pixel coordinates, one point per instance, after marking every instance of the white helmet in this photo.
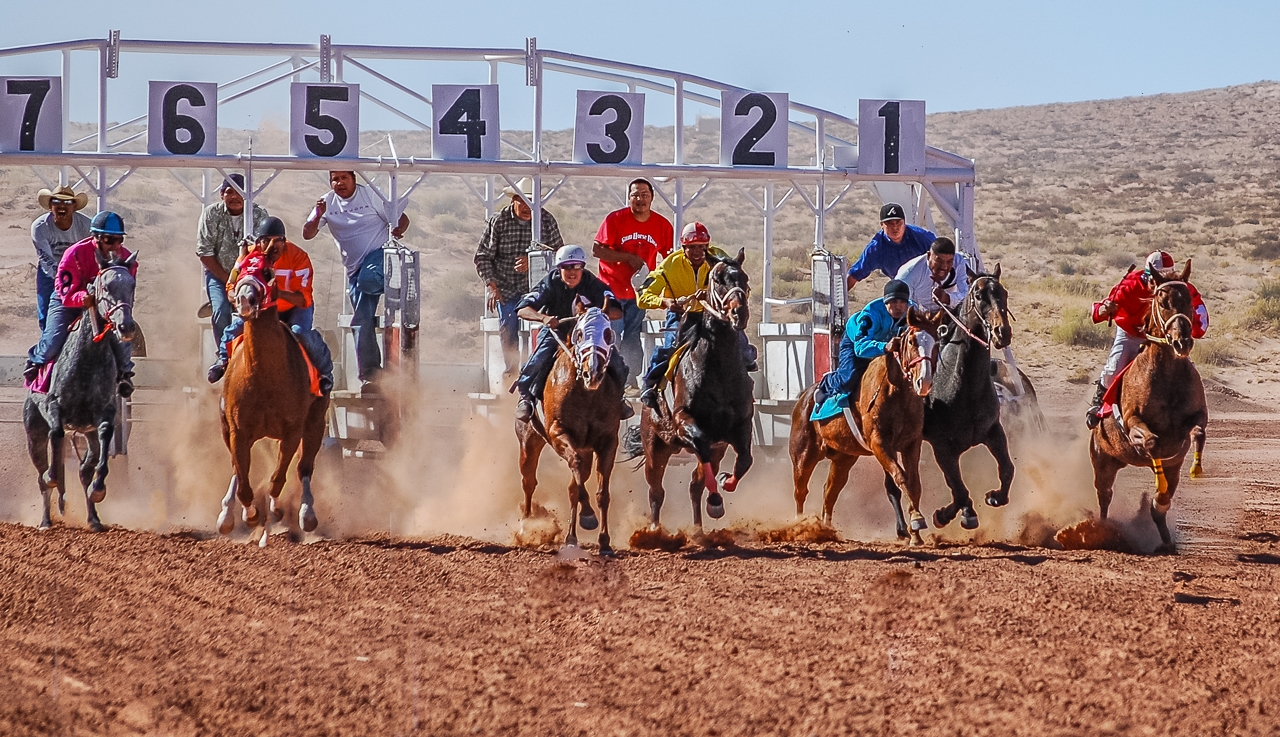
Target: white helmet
(570, 255)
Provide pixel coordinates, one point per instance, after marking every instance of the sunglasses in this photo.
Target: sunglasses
(56, 201)
(572, 267)
(112, 240)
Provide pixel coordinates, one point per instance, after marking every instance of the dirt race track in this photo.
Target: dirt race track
(139, 633)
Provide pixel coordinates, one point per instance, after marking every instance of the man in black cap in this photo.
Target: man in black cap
(866, 336)
(895, 244)
(218, 237)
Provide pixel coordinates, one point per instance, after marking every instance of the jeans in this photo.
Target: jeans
(54, 336)
(533, 377)
(221, 305)
(365, 289)
(509, 332)
(299, 320)
(628, 331)
(44, 291)
(1123, 351)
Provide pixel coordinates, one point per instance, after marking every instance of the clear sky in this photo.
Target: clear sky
(954, 55)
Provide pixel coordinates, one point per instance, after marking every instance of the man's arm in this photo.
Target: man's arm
(207, 249)
(212, 266)
(605, 253)
(865, 264)
(401, 226)
(44, 252)
(312, 226)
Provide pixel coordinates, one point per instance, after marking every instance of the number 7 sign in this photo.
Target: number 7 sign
(891, 137)
(31, 114)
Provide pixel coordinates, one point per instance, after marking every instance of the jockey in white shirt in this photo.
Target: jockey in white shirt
(939, 278)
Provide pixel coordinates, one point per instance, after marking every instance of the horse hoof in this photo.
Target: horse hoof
(968, 519)
(1196, 472)
(918, 524)
(727, 482)
(262, 541)
(715, 506)
(97, 526)
(902, 533)
(226, 523)
(98, 494)
(996, 498)
(916, 540)
(307, 518)
(45, 526)
(1166, 549)
(943, 517)
(277, 510)
(606, 550)
(250, 516)
(587, 520)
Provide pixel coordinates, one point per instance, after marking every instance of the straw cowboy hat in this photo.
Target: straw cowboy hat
(62, 193)
(525, 188)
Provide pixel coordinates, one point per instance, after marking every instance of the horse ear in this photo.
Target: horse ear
(742, 254)
(1186, 272)
(970, 272)
(913, 317)
(102, 261)
(133, 259)
(996, 273)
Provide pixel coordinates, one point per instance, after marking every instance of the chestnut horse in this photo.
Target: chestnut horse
(712, 392)
(583, 408)
(1161, 406)
(267, 394)
(889, 413)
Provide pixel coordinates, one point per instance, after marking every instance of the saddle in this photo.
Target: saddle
(312, 373)
(1111, 399)
(674, 361)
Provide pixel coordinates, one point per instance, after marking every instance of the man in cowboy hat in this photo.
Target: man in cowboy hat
(219, 234)
(52, 233)
(503, 265)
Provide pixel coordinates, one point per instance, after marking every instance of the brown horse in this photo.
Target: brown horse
(889, 414)
(267, 394)
(583, 407)
(1162, 406)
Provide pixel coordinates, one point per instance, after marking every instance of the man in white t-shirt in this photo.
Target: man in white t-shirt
(357, 220)
(938, 278)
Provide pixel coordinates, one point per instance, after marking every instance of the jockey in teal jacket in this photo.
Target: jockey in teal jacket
(866, 336)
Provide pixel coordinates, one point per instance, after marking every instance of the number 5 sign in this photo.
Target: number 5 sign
(324, 119)
(464, 122)
(891, 137)
(182, 119)
(31, 114)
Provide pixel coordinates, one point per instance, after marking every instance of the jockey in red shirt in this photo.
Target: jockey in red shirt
(1128, 305)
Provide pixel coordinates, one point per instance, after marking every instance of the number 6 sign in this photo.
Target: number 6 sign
(465, 122)
(31, 114)
(324, 120)
(182, 119)
(891, 137)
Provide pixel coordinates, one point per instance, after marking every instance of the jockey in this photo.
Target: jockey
(866, 336)
(550, 302)
(939, 278)
(674, 286)
(287, 269)
(80, 265)
(1128, 304)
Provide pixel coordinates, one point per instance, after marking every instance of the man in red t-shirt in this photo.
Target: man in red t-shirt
(630, 239)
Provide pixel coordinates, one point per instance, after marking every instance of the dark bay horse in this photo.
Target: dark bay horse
(889, 414)
(82, 394)
(267, 394)
(963, 410)
(1162, 406)
(713, 402)
(583, 408)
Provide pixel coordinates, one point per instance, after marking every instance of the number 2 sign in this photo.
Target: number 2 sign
(891, 137)
(465, 122)
(753, 128)
(31, 114)
(324, 120)
(182, 119)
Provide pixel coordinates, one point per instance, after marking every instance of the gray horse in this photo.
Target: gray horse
(82, 393)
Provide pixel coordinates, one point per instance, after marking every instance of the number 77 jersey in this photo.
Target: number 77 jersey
(294, 273)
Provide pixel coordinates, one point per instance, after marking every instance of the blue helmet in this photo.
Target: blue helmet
(107, 223)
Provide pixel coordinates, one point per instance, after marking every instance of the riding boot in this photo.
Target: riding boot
(219, 369)
(125, 384)
(524, 409)
(30, 371)
(1091, 419)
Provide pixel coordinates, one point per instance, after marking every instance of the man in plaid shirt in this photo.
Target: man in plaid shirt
(503, 265)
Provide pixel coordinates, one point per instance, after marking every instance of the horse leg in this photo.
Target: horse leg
(106, 431)
(960, 504)
(604, 471)
(743, 459)
(288, 448)
(1105, 469)
(895, 482)
(707, 471)
(38, 449)
(531, 445)
(1197, 437)
(95, 454)
(1166, 485)
(910, 457)
(241, 455)
(312, 438)
(806, 451)
(837, 477)
(892, 491)
(57, 464)
(998, 443)
(655, 467)
(227, 523)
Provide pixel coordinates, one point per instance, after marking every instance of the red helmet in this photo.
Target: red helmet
(694, 233)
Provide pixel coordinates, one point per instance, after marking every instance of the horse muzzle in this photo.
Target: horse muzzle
(1182, 346)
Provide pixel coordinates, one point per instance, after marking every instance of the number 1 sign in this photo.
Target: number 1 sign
(31, 114)
(891, 137)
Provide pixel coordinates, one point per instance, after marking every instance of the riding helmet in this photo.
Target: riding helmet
(269, 228)
(895, 289)
(107, 223)
(694, 233)
(570, 255)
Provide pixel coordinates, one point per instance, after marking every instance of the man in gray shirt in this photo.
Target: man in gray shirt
(52, 233)
(218, 237)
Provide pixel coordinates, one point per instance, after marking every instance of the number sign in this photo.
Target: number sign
(465, 122)
(610, 128)
(324, 120)
(31, 114)
(753, 128)
(891, 137)
(182, 119)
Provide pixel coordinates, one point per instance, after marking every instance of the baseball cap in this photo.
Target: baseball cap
(892, 211)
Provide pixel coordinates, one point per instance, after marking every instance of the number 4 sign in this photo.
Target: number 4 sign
(31, 114)
(891, 137)
(465, 122)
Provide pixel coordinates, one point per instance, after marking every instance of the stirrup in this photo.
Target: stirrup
(1091, 419)
(649, 398)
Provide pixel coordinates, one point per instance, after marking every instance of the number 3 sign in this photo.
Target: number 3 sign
(610, 128)
(891, 137)
(753, 128)
(183, 119)
(31, 114)
(465, 122)
(324, 120)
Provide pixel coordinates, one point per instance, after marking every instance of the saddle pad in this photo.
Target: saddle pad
(1112, 394)
(833, 406)
(675, 361)
(312, 373)
(42, 381)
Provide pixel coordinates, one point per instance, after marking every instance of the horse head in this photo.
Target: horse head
(986, 308)
(728, 289)
(917, 349)
(249, 295)
(1172, 314)
(590, 343)
(113, 291)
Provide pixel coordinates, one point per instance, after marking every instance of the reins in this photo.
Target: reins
(986, 325)
(1163, 323)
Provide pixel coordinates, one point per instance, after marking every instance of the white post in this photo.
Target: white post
(536, 223)
(248, 194)
(66, 110)
(766, 312)
(103, 54)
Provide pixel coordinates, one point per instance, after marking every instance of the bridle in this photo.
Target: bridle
(1165, 323)
(111, 309)
(718, 304)
(970, 305)
(920, 358)
(257, 283)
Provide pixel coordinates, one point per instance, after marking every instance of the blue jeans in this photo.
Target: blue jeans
(299, 320)
(221, 305)
(509, 332)
(365, 289)
(628, 331)
(54, 336)
(44, 290)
